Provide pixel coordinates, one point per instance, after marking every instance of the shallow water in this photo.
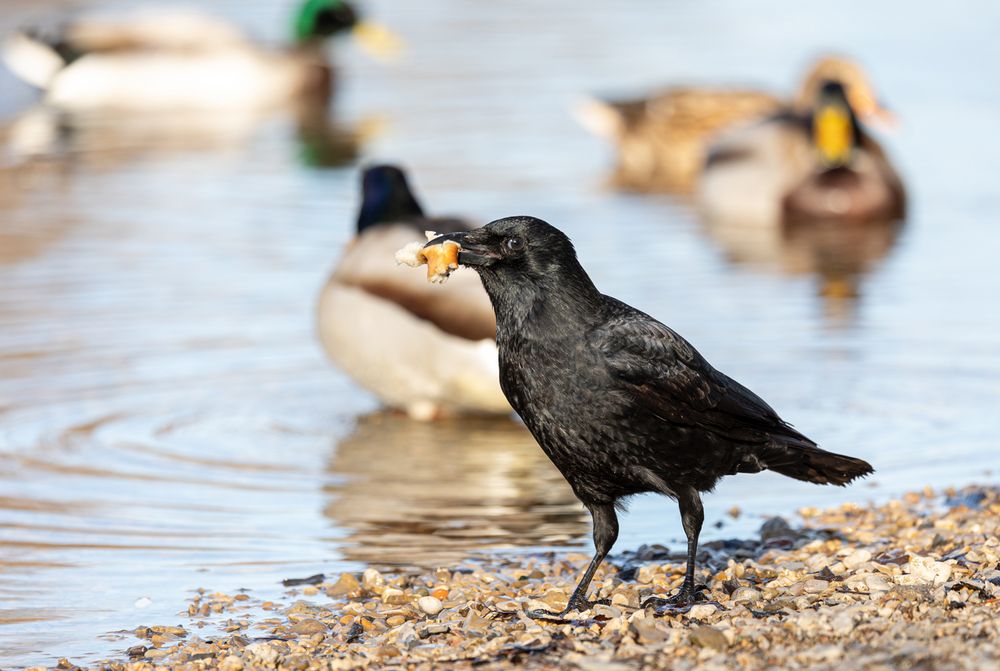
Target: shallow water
(167, 419)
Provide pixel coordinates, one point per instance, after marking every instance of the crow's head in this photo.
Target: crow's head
(523, 260)
(515, 249)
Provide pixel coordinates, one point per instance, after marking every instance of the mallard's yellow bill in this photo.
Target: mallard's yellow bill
(833, 134)
(378, 41)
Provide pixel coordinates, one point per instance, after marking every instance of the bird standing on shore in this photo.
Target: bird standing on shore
(620, 403)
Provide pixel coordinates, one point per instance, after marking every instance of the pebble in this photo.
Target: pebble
(372, 579)
(430, 605)
(857, 559)
(875, 587)
(308, 627)
(261, 653)
(928, 570)
(346, 584)
(747, 594)
(702, 610)
(391, 595)
(706, 636)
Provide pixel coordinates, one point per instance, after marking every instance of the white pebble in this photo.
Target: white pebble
(430, 605)
(701, 610)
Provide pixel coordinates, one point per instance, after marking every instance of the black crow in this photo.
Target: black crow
(619, 402)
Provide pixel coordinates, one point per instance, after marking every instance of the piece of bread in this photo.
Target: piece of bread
(440, 259)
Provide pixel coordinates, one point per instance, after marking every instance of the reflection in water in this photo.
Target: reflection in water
(418, 493)
(31, 221)
(839, 254)
(109, 139)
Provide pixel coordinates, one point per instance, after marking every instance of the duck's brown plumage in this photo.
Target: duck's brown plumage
(662, 139)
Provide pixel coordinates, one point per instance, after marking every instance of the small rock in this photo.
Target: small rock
(308, 627)
(815, 586)
(391, 595)
(430, 605)
(508, 606)
(433, 629)
(262, 653)
(702, 610)
(877, 583)
(842, 623)
(344, 586)
(231, 663)
(603, 610)
(775, 528)
(648, 631)
(747, 594)
(136, 651)
(928, 570)
(372, 579)
(706, 636)
(645, 574)
(857, 559)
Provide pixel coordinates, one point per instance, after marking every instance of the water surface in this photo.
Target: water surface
(168, 421)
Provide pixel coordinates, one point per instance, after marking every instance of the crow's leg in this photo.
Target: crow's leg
(605, 535)
(692, 516)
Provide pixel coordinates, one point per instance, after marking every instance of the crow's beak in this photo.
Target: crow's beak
(469, 253)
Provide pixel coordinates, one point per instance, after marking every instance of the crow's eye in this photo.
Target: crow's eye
(515, 244)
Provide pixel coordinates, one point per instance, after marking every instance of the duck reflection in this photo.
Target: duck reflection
(110, 139)
(838, 253)
(426, 494)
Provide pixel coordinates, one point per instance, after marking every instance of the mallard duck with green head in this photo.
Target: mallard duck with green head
(168, 59)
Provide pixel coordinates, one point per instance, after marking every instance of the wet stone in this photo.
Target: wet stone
(308, 627)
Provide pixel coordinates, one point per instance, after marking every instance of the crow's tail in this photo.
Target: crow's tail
(811, 464)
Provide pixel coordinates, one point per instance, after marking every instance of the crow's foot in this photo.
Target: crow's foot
(577, 605)
(687, 596)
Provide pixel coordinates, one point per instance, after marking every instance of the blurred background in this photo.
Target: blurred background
(168, 419)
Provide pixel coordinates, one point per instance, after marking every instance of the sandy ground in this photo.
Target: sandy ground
(913, 584)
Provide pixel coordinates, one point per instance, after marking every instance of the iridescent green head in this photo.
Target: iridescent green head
(318, 19)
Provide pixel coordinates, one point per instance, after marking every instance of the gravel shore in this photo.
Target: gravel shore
(912, 584)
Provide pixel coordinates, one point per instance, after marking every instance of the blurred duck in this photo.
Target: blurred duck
(427, 349)
(662, 140)
(170, 59)
(799, 167)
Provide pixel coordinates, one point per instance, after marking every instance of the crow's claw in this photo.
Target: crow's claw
(573, 605)
(686, 596)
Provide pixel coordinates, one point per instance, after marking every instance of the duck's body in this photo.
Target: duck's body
(662, 139)
(773, 173)
(429, 350)
(176, 60)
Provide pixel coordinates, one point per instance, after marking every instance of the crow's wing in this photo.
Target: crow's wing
(666, 376)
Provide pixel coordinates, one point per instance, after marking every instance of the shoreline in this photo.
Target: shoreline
(912, 583)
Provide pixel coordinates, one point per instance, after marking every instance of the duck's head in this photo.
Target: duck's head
(319, 19)
(835, 131)
(386, 197)
(855, 82)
